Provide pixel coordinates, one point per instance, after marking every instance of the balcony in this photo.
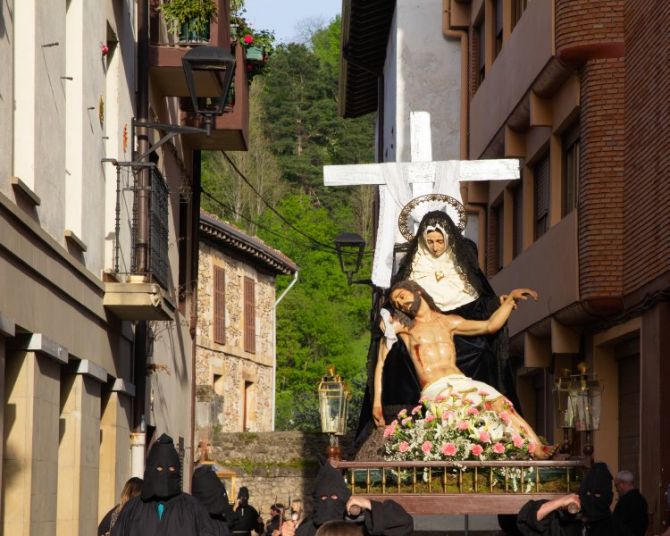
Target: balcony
(141, 294)
(230, 131)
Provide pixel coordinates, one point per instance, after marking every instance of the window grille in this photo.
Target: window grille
(249, 315)
(219, 305)
(571, 154)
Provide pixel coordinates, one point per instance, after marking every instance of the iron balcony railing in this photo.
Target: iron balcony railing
(157, 269)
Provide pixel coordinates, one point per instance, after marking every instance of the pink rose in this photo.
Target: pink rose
(532, 447)
(484, 437)
(476, 450)
(406, 421)
(504, 417)
(447, 415)
(404, 446)
(390, 429)
(416, 410)
(448, 449)
(248, 39)
(429, 418)
(499, 448)
(462, 425)
(426, 447)
(518, 441)
(473, 411)
(402, 414)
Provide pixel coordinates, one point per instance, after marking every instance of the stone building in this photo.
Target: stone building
(97, 250)
(576, 91)
(236, 354)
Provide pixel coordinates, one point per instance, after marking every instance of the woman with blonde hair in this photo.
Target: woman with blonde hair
(131, 489)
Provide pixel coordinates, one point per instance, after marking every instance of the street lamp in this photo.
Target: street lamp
(334, 399)
(350, 248)
(209, 73)
(585, 400)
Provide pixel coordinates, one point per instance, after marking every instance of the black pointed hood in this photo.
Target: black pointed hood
(162, 472)
(595, 492)
(209, 490)
(329, 483)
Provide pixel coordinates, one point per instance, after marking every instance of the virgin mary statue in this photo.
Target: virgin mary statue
(445, 263)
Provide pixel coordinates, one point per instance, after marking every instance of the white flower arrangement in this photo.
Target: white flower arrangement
(453, 428)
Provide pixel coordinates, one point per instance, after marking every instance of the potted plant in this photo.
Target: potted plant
(189, 19)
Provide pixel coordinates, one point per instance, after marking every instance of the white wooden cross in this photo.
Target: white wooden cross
(400, 182)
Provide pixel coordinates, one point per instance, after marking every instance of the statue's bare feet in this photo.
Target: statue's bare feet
(545, 452)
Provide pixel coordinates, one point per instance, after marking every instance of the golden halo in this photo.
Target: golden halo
(406, 214)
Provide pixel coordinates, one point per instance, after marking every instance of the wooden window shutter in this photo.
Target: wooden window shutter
(249, 315)
(219, 305)
(542, 196)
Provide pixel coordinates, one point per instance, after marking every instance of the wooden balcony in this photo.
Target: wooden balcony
(167, 77)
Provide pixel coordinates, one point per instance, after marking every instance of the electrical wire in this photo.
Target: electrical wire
(274, 210)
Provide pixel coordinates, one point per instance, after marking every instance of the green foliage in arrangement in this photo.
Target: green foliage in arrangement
(295, 130)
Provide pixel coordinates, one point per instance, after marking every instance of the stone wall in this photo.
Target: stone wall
(275, 466)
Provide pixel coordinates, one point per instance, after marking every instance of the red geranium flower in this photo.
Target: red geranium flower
(248, 39)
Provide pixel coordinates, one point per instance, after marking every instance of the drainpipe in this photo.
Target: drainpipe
(137, 437)
(274, 341)
(450, 33)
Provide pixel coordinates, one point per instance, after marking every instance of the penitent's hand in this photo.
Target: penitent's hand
(378, 416)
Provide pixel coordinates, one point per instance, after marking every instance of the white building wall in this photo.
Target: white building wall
(6, 95)
(423, 70)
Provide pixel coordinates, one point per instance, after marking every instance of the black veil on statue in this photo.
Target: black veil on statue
(484, 358)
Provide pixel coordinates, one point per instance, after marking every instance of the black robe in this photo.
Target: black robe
(183, 516)
(245, 519)
(385, 519)
(631, 512)
(561, 523)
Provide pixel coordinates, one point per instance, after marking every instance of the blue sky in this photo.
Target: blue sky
(288, 18)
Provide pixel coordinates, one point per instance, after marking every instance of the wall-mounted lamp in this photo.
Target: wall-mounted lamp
(350, 247)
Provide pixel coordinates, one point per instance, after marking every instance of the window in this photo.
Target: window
(518, 7)
(481, 52)
(219, 305)
(542, 181)
(249, 315)
(248, 409)
(499, 26)
(499, 239)
(518, 221)
(570, 169)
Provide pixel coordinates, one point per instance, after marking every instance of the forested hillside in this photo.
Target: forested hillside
(294, 131)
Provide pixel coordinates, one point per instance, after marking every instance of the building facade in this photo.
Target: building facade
(236, 335)
(572, 90)
(98, 253)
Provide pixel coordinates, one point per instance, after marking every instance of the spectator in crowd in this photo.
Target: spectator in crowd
(339, 528)
(276, 518)
(162, 509)
(297, 512)
(211, 492)
(245, 518)
(131, 489)
(575, 515)
(631, 508)
(333, 502)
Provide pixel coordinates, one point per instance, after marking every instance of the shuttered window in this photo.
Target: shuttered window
(541, 190)
(518, 220)
(249, 315)
(219, 305)
(570, 169)
(499, 219)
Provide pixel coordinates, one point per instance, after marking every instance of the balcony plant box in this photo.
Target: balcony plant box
(189, 20)
(255, 54)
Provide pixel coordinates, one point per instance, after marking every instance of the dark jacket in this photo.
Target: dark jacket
(631, 512)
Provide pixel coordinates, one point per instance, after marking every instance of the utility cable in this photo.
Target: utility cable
(274, 210)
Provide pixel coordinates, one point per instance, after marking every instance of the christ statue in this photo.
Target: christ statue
(429, 335)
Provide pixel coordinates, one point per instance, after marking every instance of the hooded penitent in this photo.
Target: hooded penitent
(209, 490)
(243, 496)
(161, 475)
(329, 483)
(595, 493)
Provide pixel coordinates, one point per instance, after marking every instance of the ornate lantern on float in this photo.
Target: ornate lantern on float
(334, 399)
(565, 418)
(585, 400)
